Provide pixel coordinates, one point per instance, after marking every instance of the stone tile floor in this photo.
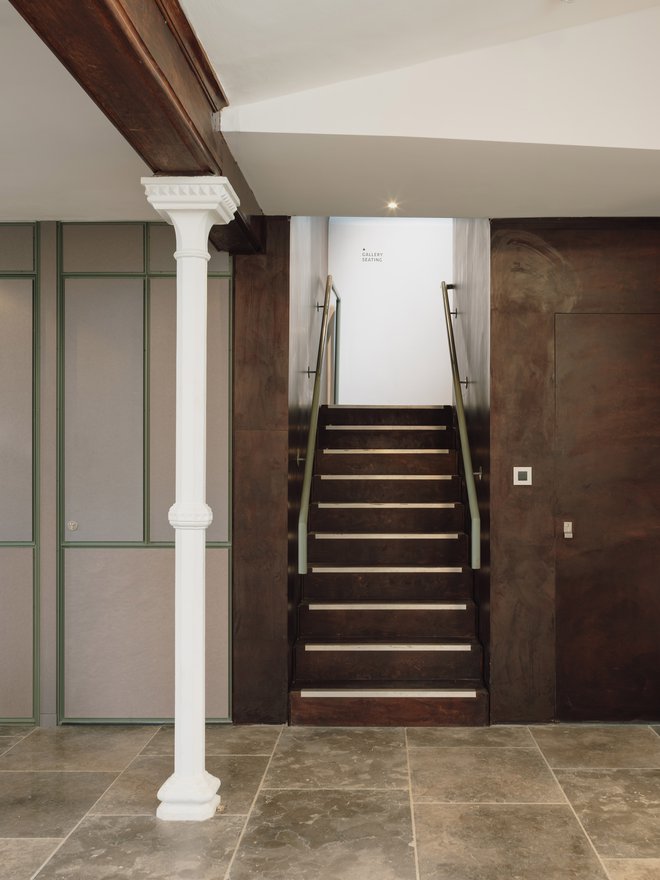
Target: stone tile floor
(560, 802)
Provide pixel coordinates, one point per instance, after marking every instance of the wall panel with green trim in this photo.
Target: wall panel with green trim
(100, 504)
(116, 436)
(18, 419)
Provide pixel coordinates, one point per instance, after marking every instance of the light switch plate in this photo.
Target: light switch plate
(522, 476)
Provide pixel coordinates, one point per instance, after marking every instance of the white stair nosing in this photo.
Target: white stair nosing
(380, 536)
(387, 606)
(395, 406)
(386, 476)
(390, 647)
(385, 569)
(384, 694)
(385, 451)
(384, 505)
(385, 427)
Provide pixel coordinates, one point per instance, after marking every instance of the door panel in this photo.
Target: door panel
(608, 486)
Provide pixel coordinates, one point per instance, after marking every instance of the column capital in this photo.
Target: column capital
(176, 194)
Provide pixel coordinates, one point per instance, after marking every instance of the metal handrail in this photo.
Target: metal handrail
(475, 519)
(314, 418)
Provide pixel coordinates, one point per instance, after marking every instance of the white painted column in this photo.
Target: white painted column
(193, 205)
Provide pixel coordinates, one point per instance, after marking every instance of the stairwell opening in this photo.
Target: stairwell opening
(386, 622)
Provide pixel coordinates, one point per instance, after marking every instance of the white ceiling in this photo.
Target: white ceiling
(552, 123)
(62, 159)
(263, 48)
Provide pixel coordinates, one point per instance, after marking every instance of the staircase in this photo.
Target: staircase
(387, 621)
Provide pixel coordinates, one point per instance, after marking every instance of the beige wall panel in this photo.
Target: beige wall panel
(219, 261)
(119, 633)
(17, 248)
(162, 244)
(102, 247)
(16, 409)
(162, 406)
(217, 416)
(16, 635)
(103, 428)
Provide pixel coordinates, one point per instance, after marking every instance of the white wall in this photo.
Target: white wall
(393, 347)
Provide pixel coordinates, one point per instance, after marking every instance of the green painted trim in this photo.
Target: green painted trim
(17, 721)
(154, 721)
(36, 472)
(230, 500)
(230, 632)
(146, 408)
(60, 477)
(230, 420)
(135, 545)
(17, 544)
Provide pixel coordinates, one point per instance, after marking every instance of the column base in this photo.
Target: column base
(188, 798)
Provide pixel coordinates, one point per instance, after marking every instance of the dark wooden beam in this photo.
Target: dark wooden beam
(143, 66)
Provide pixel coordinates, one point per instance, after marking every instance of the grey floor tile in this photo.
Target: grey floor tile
(471, 775)
(15, 729)
(620, 809)
(339, 757)
(39, 804)
(86, 747)
(19, 859)
(134, 792)
(633, 869)
(145, 848)
(6, 742)
(327, 835)
(589, 745)
(224, 739)
(476, 842)
(481, 737)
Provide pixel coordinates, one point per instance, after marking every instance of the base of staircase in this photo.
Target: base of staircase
(428, 706)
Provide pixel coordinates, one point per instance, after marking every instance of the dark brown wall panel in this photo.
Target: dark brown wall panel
(309, 272)
(260, 480)
(472, 332)
(541, 268)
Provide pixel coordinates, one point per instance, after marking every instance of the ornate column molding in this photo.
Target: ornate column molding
(193, 205)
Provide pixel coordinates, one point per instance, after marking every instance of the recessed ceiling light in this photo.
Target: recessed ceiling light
(392, 205)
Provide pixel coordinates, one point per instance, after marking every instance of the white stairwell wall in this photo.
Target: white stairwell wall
(388, 271)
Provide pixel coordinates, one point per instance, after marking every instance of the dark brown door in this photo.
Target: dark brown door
(608, 487)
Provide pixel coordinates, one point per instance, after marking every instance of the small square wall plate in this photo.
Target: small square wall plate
(522, 476)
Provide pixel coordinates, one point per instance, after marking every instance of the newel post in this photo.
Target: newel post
(193, 205)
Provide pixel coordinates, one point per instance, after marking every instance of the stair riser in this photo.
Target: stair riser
(360, 519)
(345, 415)
(334, 438)
(389, 712)
(331, 666)
(386, 624)
(384, 587)
(388, 551)
(386, 463)
(387, 490)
